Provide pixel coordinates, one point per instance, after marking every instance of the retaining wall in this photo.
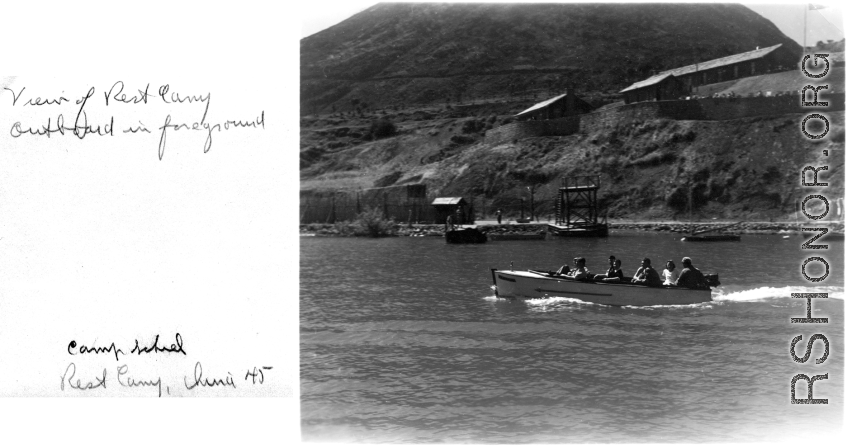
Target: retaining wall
(533, 128)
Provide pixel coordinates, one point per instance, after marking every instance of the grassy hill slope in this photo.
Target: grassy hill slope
(397, 54)
(738, 169)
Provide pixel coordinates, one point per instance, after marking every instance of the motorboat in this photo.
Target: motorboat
(701, 237)
(511, 284)
(467, 235)
(600, 230)
(710, 238)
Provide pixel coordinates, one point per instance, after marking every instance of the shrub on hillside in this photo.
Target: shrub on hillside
(677, 199)
(715, 189)
(611, 164)
(687, 136)
(462, 140)
(343, 228)
(372, 223)
(473, 125)
(382, 128)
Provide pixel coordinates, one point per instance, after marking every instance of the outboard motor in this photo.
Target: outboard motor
(712, 280)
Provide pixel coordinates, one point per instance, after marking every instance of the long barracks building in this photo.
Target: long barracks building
(671, 84)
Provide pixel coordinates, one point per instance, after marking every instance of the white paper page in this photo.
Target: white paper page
(108, 242)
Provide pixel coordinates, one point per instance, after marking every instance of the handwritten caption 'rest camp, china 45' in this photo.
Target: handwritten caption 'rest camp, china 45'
(78, 379)
(77, 122)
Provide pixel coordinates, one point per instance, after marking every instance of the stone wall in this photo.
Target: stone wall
(532, 128)
(712, 109)
(732, 108)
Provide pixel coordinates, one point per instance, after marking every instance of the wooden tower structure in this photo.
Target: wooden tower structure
(577, 208)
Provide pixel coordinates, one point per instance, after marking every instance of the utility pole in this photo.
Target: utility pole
(531, 190)
(805, 13)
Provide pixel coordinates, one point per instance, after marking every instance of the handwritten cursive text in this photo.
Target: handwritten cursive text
(69, 378)
(126, 381)
(72, 349)
(174, 348)
(200, 381)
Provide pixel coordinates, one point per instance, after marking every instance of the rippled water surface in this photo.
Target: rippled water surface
(403, 341)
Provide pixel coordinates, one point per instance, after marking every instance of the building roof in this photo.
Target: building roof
(720, 62)
(714, 63)
(542, 104)
(655, 79)
(448, 201)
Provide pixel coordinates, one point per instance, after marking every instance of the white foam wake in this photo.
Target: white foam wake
(766, 292)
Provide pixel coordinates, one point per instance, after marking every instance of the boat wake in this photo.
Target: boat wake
(546, 302)
(719, 297)
(553, 301)
(767, 293)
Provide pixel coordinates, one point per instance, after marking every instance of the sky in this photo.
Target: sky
(823, 24)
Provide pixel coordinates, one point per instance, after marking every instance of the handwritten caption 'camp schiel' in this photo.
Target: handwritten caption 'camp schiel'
(77, 123)
(121, 376)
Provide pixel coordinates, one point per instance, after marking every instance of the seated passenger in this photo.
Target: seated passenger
(646, 275)
(691, 277)
(670, 274)
(608, 273)
(616, 275)
(580, 273)
(564, 270)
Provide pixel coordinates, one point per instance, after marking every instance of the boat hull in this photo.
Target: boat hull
(593, 231)
(709, 238)
(533, 284)
(465, 236)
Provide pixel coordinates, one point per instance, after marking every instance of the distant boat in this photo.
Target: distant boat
(516, 236)
(698, 237)
(469, 235)
(599, 230)
(708, 238)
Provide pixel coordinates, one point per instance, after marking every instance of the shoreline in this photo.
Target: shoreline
(536, 228)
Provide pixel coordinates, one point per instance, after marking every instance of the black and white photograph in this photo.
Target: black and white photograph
(571, 223)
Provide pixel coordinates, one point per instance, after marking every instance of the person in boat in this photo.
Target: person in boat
(448, 224)
(670, 274)
(580, 273)
(609, 272)
(566, 269)
(691, 277)
(616, 275)
(646, 275)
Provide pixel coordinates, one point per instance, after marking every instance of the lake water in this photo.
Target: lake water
(403, 341)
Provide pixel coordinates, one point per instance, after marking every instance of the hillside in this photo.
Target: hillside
(400, 54)
(405, 93)
(737, 169)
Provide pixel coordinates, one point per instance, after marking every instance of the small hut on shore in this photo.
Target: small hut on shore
(457, 207)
